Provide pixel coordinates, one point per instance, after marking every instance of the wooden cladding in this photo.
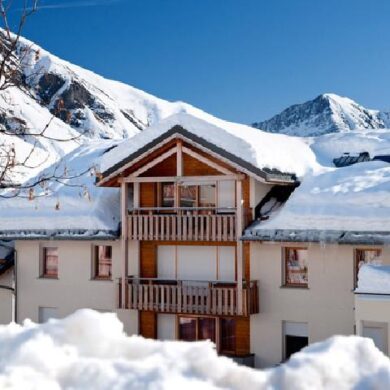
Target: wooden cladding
(190, 297)
(182, 227)
(148, 324)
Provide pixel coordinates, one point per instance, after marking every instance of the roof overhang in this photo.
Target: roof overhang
(263, 175)
(318, 236)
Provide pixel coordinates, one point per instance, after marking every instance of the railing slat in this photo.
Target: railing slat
(187, 297)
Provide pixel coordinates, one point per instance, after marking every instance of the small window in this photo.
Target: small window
(102, 261)
(167, 195)
(50, 263)
(295, 267)
(366, 256)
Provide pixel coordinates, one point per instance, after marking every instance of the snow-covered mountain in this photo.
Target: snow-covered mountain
(327, 113)
(84, 104)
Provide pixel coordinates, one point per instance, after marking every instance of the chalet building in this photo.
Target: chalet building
(195, 256)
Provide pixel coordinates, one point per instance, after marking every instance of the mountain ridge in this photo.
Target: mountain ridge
(326, 113)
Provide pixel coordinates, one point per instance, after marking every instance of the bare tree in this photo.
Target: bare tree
(13, 57)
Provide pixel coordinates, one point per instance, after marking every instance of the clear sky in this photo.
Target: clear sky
(242, 60)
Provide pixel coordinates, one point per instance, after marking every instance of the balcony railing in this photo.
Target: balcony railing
(190, 297)
(182, 224)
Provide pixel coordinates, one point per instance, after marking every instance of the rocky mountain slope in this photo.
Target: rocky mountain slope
(327, 113)
(78, 104)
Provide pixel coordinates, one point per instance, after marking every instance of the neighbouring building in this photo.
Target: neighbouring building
(203, 231)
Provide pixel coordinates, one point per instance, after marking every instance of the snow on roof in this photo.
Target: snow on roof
(258, 148)
(89, 350)
(72, 206)
(374, 279)
(350, 199)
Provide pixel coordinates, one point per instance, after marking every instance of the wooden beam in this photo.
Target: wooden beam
(207, 161)
(160, 179)
(156, 161)
(124, 243)
(240, 262)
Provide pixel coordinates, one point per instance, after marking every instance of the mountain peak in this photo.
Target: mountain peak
(327, 113)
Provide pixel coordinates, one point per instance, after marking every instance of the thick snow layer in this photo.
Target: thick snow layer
(261, 149)
(88, 350)
(330, 146)
(354, 198)
(73, 203)
(374, 279)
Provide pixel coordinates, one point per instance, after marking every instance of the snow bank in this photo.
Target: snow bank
(261, 149)
(72, 205)
(88, 350)
(354, 198)
(374, 279)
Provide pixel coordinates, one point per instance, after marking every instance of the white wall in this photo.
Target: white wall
(196, 262)
(372, 310)
(6, 306)
(327, 306)
(74, 288)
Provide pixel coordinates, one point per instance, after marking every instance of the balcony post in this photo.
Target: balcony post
(124, 243)
(239, 224)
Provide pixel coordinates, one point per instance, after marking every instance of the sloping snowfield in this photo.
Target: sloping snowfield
(88, 350)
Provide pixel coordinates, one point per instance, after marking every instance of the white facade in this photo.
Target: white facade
(326, 305)
(40, 298)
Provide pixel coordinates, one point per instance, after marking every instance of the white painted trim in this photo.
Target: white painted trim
(178, 179)
(240, 262)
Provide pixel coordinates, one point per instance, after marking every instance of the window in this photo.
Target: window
(205, 328)
(188, 196)
(366, 256)
(197, 328)
(295, 337)
(167, 195)
(203, 195)
(295, 267)
(102, 261)
(50, 263)
(228, 335)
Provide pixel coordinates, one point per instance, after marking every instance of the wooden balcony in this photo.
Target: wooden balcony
(190, 297)
(182, 224)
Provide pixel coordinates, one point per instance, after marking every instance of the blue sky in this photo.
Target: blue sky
(242, 60)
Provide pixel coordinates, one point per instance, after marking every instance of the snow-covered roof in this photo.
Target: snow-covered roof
(70, 207)
(374, 279)
(347, 205)
(259, 149)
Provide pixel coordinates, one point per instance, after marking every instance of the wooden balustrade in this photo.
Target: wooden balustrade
(190, 297)
(182, 225)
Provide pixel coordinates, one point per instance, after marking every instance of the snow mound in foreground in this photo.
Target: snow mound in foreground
(89, 350)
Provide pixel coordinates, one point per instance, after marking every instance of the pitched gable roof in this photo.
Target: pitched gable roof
(270, 157)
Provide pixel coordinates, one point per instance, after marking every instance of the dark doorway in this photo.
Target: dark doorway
(294, 344)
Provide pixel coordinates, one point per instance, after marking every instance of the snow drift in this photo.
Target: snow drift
(88, 350)
(374, 279)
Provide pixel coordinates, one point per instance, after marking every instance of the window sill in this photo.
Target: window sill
(101, 279)
(48, 277)
(295, 286)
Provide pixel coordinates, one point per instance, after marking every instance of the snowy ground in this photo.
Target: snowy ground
(88, 350)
